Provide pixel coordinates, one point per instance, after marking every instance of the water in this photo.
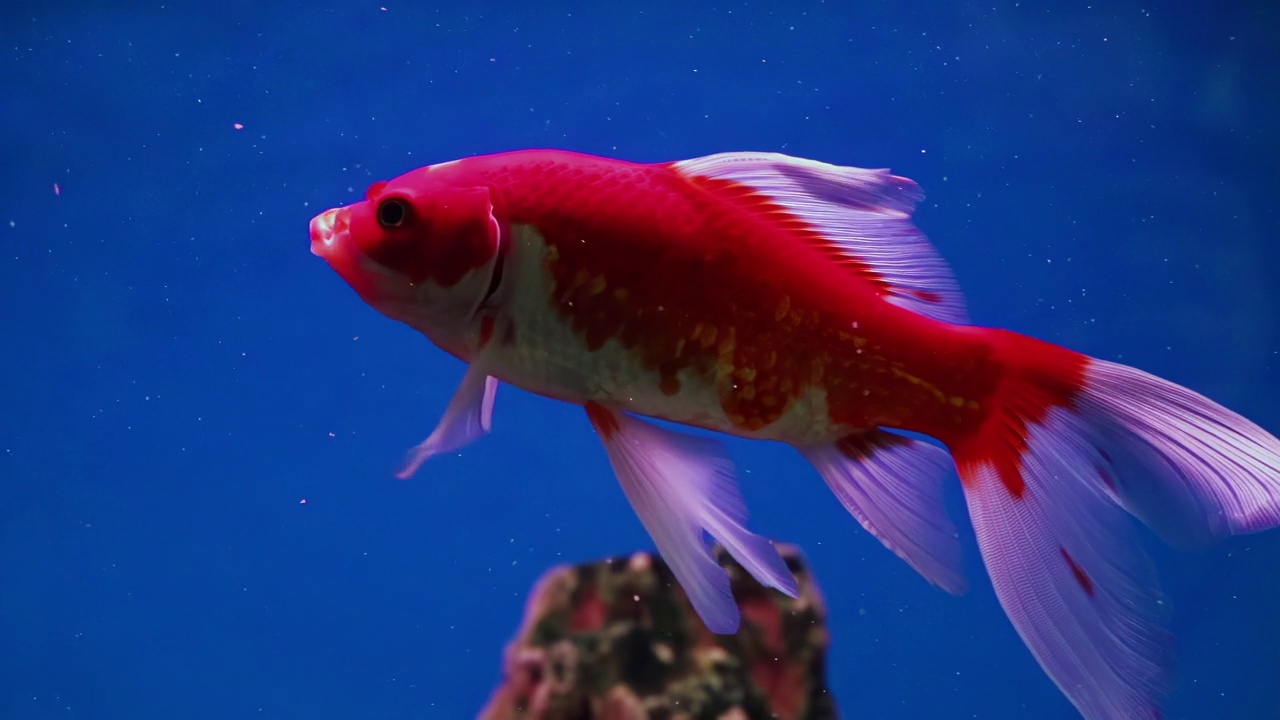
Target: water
(200, 420)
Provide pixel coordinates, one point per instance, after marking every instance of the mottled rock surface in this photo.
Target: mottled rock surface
(618, 640)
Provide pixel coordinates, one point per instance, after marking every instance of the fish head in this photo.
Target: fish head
(419, 250)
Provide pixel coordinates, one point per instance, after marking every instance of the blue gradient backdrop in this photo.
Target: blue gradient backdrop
(178, 373)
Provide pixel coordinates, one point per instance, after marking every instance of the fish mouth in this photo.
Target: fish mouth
(327, 229)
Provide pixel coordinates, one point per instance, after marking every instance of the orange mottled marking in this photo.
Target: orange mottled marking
(603, 420)
(726, 289)
(670, 323)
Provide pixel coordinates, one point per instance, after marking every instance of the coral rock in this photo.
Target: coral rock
(618, 640)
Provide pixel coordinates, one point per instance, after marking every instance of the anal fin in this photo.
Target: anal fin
(893, 485)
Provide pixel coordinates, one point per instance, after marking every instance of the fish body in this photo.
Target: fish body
(699, 312)
(777, 298)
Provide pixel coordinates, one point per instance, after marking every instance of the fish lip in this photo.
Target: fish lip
(325, 231)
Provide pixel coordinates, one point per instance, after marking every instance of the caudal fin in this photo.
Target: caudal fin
(1071, 446)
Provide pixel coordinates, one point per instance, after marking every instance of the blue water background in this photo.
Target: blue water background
(179, 373)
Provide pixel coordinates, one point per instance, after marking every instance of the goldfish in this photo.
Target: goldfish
(770, 297)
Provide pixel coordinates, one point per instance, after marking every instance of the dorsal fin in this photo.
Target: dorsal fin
(861, 217)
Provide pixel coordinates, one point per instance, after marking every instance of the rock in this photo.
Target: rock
(618, 640)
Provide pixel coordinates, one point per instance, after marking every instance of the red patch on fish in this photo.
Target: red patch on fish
(769, 211)
(603, 297)
(603, 420)
(860, 446)
(1057, 375)
(440, 238)
(760, 337)
(1086, 583)
(1102, 470)
(1106, 477)
(670, 322)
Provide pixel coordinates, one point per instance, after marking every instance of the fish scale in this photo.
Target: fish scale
(547, 355)
(729, 337)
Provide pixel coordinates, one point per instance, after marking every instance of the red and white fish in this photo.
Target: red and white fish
(776, 298)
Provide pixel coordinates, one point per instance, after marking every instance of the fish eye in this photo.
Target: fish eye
(392, 213)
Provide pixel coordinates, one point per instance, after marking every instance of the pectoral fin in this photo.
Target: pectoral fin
(468, 416)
